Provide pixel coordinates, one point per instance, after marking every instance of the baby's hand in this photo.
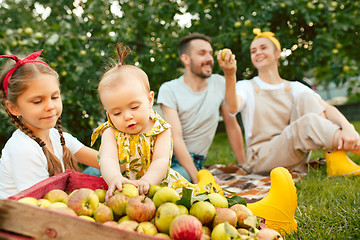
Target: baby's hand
(143, 186)
(116, 183)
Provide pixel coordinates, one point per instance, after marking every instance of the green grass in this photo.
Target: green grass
(328, 207)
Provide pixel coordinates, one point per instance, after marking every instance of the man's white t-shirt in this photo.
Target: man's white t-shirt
(23, 162)
(198, 111)
(245, 89)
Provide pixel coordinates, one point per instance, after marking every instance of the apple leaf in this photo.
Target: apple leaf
(251, 221)
(236, 200)
(186, 198)
(199, 197)
(208, 187)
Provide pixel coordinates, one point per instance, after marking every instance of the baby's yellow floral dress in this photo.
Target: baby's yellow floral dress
(135, 152)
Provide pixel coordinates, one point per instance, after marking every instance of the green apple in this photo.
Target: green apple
(84, 201)
(165, 194)
(237, 24)
(56, 205)
(103, 214)
(87, 218)
(28, 30)
(117, 203)
(164, 216)
(57, 195)
(124, 218)
(29, 200)
(224, 231)
(183, 210)
(152, 190)
(204, 211)
(223, 53)
(44, 203)
(129, 190)
(147, 228)
(218, 200)
(101, 194)
(82, 53)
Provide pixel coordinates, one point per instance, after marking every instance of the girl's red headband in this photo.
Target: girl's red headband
(29, 59)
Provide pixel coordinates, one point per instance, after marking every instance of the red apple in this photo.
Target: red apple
(111, 224)
(117, 203)
(186, 227)
(140, 208)
(268, 234)
(225, 215)
(129, 225)
(84, 201)
(242, 213)
(103, 214)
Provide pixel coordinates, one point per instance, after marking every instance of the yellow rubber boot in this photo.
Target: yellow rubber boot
(338, 164)
(205, 177)
(279, 205)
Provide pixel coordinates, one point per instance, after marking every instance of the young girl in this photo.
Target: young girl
(30, 94)
(136, 144)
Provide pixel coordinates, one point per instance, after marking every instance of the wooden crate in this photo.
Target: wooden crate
(21, 221)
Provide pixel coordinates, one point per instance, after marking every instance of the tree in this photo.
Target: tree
(320, 39)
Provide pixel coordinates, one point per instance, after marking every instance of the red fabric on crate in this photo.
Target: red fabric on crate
(78, 180)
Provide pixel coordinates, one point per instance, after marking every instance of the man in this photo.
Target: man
(193, 103)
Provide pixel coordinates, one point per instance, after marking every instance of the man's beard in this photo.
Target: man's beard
(197, 70)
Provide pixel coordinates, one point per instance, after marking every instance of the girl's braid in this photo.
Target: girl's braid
(69, 160)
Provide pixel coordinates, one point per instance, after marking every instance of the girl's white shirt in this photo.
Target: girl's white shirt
(245, 89)
(23, 162)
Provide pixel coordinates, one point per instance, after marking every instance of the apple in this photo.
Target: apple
(268, 234)
(129, 190)
(82, 53)
(205, 237)
(117, 203)
(103, 214)
(204, 211)
(111, 224)
(28, 30)
(237, 24)
(224, 231)
(84, 201)
(242, 213)
(183, 210)
(147, 228)
(101, 194)
(162, 236)
(164, 216)
(152, 190)
(57, 195)
(140, 208)
(218, 200)
(186, 227)
(124, 218)
(129, 225)
(56, 205)
(38, 35)
(44, 203)
(248, 23)
(29, 200)
(165, 194)
(87, 218)
(225, 215)
(223, 53)
(65, 210)
(206, 230)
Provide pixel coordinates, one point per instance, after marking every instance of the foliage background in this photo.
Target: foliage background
(78, 39)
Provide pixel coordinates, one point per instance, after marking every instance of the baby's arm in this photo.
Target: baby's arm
(109, 163)
(160, 161)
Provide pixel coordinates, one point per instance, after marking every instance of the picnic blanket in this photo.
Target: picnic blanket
(251, 187)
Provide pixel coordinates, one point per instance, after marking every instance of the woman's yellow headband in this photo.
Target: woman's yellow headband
(268, 35)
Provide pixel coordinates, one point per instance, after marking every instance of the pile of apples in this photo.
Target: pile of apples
(158, 213)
